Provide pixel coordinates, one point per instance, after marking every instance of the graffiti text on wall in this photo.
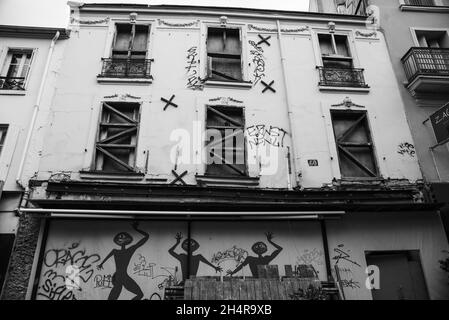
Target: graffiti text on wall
(258, 60)
(55, 284)
(261, 134)
(406, 148)
(193, 80)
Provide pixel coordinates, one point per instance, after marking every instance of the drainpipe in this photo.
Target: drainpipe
(289, 111)
(36, 109)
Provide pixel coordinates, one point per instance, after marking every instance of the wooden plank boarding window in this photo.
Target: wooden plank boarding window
(354, 144)
(225, 141)
(224, 54)
(117, 137)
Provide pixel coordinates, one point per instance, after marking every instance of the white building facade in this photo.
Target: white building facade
(308, 159)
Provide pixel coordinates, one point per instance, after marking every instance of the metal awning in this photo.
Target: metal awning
(183, 215)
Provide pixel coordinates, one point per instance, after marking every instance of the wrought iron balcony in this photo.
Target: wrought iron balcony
(12, 83)
(126, 68)
(342, 77)
(422, 3)
(427, 69)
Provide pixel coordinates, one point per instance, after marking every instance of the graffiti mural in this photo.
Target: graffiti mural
(258, 248)
(260, 135)
(119, 260)
(314, 256)
(59, 280)
(195, 259)
(122, 257)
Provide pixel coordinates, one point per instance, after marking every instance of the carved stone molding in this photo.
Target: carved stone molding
(347, 102)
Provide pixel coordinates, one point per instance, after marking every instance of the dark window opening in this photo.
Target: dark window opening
(335, 51)
(401, 276)
(224, 52)
(6, 245)
(225, 141)
(3, 132)
(130, 41)
(117, 137)
(354, 144)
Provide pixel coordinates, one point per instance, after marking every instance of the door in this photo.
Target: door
(401, 275)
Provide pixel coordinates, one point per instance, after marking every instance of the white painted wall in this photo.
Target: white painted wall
(71, 122)
(16, 110)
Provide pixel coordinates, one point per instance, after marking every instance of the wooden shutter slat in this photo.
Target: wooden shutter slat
(114, 158)
(122, 115)
(351, 128)
(118, 135)
(222, 115)
(229, 164)
(356, 161)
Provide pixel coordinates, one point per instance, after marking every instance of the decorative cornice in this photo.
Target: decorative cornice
(178, 25)
(122, 96)
(225, 100)
(347, 102)
(74, 20)
(301, 29)
(366, 34)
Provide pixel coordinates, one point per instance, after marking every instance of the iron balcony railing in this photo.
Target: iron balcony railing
(342, 77)
(421, 3)
(420, 61)
(12, 83)
(126, 68)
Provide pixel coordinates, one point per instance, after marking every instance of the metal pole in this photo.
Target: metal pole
(326, 250)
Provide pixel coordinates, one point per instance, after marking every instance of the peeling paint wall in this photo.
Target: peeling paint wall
(160, 260)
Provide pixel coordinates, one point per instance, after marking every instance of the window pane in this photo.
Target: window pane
(140, 39)
(123, 37)
(342, 45)
(326, 44)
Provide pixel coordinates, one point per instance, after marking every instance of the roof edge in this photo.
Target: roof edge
(33, 32)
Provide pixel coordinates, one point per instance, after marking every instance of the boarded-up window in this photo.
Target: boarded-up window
(354, 144)
(224, 52)
(225, 141)
(117, 137)
(130, 41)
(335, 51)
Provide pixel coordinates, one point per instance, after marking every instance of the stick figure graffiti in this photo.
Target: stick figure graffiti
(259, 248)
(194, 259)
(122, 258)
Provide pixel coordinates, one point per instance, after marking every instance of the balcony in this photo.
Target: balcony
(425, 5)
(126, 70)
(340, 78)
(12, 83)
(427, 70)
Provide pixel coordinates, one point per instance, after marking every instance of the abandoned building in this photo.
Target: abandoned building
(185, 151)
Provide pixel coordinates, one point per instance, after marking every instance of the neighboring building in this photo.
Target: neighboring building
(317, 174)
(23, 56)
(417, 35)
